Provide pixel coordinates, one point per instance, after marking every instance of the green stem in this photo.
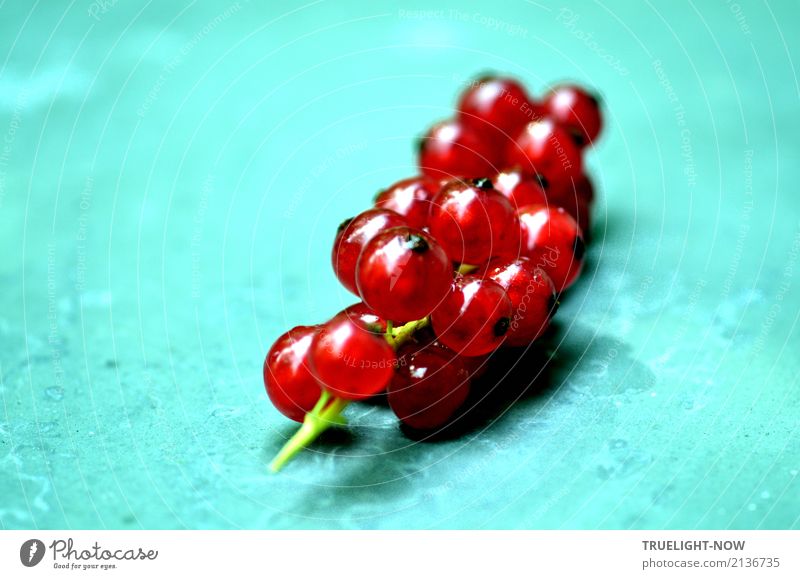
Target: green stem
(465, 268)
(321, 417)
(390, 333)
(404, 332)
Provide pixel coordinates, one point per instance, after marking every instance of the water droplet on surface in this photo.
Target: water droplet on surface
(54, 393)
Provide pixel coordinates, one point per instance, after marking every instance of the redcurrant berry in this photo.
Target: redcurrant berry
(498, 107)
(403, 273)
(554, 242)
(519, 189)
(532, 295)
(474, 317)
(410, 198)
(576, 197)
(353, 235)
(546, 149)
(350, 361)
(576, 110)
(290, 385)
(425, 338)
(428, 388)
(451, 150)
(362, 314)
(474, 222)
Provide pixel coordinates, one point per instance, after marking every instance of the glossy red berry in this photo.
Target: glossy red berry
(519, 189)
(403, 273)
(577, 110)
(474, 222)
(350, 361)
(410, 198)
(474, 317)
(451, 150)
(532, 294)
(497, 106)
(554, 242)
(576, 197)
(353, 235)
(579, 188)
(428, 388)
(290, 385)
(362, 314)
(544, 148)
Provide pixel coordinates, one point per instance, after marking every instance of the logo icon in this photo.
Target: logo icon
(31, 553)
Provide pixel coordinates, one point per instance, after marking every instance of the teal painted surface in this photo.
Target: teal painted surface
(170, 181)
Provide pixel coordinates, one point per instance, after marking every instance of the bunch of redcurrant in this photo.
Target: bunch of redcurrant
(450, 265)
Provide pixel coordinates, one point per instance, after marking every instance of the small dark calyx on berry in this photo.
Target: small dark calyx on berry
(485, 77)
(501, 326)
(343, 225)
(595, 98)
(579, 249)
(416, 243)
(377, 195)
(419, 144)
(483, 183)
(552, 304)
(543, 182)
(577, 138)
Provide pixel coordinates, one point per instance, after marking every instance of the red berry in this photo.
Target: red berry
(362, 314)
(576, 110)
(498, 107)
(580, 188)
(403, 274)
(353, 235)
(290, 385)
(428, 388)
(532, 295)
(519, 189)
(351, 361)
(474, 222)
(474, 317)
(554, 242)
(410, 198)
(576, 197)
(451, 150)
(546, 149)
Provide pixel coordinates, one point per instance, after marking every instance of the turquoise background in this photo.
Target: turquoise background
(171, 178)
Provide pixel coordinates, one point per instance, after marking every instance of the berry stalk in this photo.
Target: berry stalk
(321, 417)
